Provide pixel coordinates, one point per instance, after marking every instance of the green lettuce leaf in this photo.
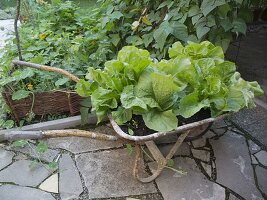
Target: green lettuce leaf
(160, 121)
(164, 89)
(122, 115)
(191, 104)
(129, 100)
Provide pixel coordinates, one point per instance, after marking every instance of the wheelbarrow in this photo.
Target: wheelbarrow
(187, 132)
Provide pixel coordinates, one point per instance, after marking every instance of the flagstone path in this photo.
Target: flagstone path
(226, 163)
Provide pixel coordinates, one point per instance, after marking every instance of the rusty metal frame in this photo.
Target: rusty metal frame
(158, 156)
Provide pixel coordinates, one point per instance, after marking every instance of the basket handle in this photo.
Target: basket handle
(46, 68)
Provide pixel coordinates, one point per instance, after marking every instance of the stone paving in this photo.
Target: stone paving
(226, 163)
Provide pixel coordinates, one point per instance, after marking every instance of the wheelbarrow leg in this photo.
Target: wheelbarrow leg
(160, 159)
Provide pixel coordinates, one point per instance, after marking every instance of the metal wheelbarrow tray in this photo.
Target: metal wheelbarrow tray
(183, 131)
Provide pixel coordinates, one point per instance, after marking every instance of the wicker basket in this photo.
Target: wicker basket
(55, 102)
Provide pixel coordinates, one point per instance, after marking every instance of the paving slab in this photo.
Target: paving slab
(254, 148)
(233, 165)
(170, 138)
(262, 157)
(13, 192)
(219, 124)
(201, 142)
(109, 174)
(184, 150)
(246, 117)
(254, 160)
(24, 173)
(80, 145)
(50, 184)
(262, 178)
(68, 172)
(5, 158)
(194, 185)
(201, 154)
(31, 150)
(233, 197)
(258, 131)
(207, 168)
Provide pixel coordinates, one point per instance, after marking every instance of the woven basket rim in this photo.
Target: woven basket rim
(45, 92)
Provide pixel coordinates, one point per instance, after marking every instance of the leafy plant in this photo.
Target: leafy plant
(195, 77)
(156, 25)
(38, 150)
(57, 34)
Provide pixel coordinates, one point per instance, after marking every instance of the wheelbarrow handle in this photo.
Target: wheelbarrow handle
(46, 68)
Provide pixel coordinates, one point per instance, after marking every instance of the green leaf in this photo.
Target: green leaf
(209, 5)
(52, 165)
(129, 149)
(20, 143)
(122, 115)
(196, 18)
(170, 163)
(137, 59)
(130, 131)
(211, 21)
(160, 121)
(246, 14)
(116, 15)
(129, 100)
(86, 102)
(17, 76)
(201, 31)
(41, 147)
(147, 39)
(255, 87)
(134, 40)
(164, 89)
(84, 88)
(179, 30)
(115, 39)
(191, 104)
(38, 59)
(226, 24)
(160, 35)
(239, 26)
(223, 10)
(193, 11)
(61, 81)
(104, 98)
(226, 69)
(176, 49)
(20, 94)
(163, 4)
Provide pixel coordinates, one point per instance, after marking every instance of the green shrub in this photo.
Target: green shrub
(155, 25)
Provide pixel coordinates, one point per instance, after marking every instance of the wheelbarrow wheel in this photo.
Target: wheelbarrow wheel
(197, 132)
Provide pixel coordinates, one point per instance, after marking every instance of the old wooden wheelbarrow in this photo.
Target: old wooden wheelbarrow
(185, 132)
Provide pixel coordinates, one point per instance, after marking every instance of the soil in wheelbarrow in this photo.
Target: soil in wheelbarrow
(137, 124)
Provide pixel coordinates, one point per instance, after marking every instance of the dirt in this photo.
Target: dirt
(137, 124)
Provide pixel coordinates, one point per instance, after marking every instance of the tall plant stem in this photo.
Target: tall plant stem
(16, 29)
